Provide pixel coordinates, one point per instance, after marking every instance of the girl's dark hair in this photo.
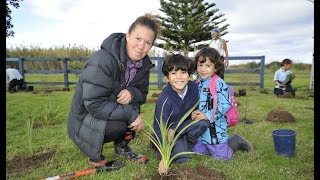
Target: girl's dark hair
(177, 62)
(213, 55)
(286, 61)
(146, 20)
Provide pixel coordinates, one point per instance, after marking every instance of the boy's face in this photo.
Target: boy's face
(178, 80)
(206, 69)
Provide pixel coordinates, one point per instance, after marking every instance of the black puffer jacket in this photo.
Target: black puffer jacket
(94, 100)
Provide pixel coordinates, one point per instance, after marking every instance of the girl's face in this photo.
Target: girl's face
(178, 80)
(206, 69)
(287, 66)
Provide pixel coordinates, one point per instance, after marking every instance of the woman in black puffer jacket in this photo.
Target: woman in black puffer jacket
(113, 85)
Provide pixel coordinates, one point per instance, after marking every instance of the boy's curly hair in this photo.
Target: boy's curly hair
(177, 62)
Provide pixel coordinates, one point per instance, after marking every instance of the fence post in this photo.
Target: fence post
(262, 71)
(65, 73)
(21, 68)
(160, 79)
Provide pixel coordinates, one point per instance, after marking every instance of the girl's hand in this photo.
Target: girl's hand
(198, 115)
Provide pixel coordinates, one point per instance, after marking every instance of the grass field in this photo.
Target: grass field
(51, 135)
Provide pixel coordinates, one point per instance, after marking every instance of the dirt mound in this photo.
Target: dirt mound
(279, 115)
(186, 173)
(21, 164)
(155, 94)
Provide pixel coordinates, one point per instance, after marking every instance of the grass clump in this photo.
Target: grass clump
(29, 134)
(52, 113)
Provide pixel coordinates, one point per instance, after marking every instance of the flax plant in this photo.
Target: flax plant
(165, 147)
(51, 113)
(29, 134)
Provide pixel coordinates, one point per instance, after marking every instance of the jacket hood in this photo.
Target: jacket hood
(115, 45)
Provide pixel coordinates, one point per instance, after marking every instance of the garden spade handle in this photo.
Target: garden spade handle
(109, 166)
(73, 175)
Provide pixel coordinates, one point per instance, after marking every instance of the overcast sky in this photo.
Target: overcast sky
(277, 29)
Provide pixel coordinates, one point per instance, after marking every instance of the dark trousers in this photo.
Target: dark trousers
(14, 82)
(115, 131)
(222, 70)
(187, 139)
(278, 91)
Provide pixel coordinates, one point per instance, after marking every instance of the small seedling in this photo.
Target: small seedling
(29, 134)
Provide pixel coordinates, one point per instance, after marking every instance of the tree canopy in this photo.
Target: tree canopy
(185, 22)
(9, 25)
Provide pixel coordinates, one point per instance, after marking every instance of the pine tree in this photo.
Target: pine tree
(9, 25)
(186, 22)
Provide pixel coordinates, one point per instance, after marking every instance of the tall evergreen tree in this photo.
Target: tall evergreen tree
(9, 25)
(186, 22)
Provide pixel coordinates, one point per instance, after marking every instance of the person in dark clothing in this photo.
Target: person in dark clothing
(15, 80)
(111, 88)
(177, 98)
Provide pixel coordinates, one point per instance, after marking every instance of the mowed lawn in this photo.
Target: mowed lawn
(50, 110)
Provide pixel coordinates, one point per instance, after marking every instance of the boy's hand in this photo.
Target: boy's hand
(170, 134)
(162, 169)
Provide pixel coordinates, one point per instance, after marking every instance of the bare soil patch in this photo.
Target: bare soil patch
(43, 124)
(21, 164)
(280, 115)
(151, 101)
(186, 173)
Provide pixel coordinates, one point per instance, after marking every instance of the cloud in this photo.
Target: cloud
(84, 22)
(276, 29)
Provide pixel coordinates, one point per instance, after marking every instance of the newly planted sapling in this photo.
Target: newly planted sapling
(165, 147)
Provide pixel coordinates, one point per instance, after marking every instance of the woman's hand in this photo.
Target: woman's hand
(137, 124)
(124, 97)
(226, 63)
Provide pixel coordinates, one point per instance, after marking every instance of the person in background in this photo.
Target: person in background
(215, 139)
(283, 77)
(221, 46)
(179, 96)
(112, 87)
(15, 80)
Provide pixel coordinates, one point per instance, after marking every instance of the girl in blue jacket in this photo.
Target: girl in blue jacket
(215, 139)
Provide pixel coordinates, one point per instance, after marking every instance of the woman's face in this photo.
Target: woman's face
(214, 35)
(139, 42)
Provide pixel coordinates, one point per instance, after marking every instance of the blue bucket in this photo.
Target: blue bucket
(284, 142)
